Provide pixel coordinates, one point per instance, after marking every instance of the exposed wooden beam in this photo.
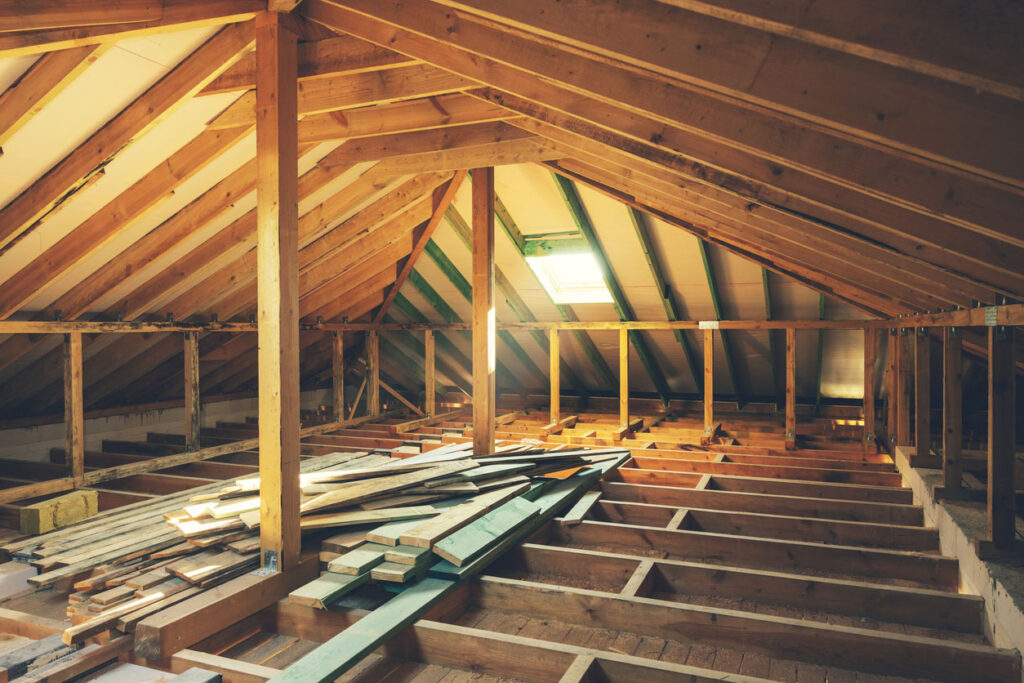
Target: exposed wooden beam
(819, 358)
(622, 305)
(484, 332)
(773, 350)
(709, 382)
(443, 197)
(790, 389)
(318, 58)
(195, 71)
(923, 392)
(512, 298)
(74, 410)
(43, 14)
(278, 295)
(43, 81)
(450, 138)
(892, 344)
(430, 398)
(346, 91)
(193, 422)
(338, 374)
(372, 374)
(623, 379)
(454, 276)
(952, 411)
(904, 360)
(870, 339)
(555, 376)
(754, 70)
(483, 51)
(668, 298)
(716, 302)
(1002, 417)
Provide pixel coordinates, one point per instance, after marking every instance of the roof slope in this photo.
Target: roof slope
(827, 163)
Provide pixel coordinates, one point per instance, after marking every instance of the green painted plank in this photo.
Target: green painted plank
(470, 541)
(407, 554)
(360, 560)
(716, 301)
(668, 299)
(329, 588)
(345, 650)
(622, 307)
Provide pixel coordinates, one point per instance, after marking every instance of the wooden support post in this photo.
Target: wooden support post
(903, 387)
(1001, 437)
(372, 373)
(277, 289)
(790, 388)
(952, 410)
(623, 378)
(555, 400)
(483, 311)
(709, 382)
(922, 393)
(74, 410)
(192, 408)
(890, 387)
(338, 374)
(430, 397)
(869, 389)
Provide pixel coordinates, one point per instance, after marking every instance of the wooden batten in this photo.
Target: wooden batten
(484, 332)
(277, 286)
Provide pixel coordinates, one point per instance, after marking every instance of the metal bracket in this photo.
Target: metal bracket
(270, 564)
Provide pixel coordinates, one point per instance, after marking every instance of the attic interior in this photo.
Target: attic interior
(554, 341)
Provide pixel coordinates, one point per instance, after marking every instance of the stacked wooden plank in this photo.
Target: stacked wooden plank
(463, 527)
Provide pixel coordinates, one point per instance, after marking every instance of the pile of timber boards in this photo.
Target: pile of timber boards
(451, 560)
(130, 563)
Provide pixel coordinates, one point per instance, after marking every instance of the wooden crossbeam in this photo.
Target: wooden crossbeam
(68, 13)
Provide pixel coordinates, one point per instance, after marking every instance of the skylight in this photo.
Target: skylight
(571, 278)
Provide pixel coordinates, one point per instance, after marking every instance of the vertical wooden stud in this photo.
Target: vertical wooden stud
(74, 409)
(1001, 436)
(338, 374)
(904, 358)
(430, 400)
(869, 389)
(192, 407)
(555, 401)
(709, 382)
(952, 410)
(790, 388)
(623, 377)
(277, 289)
(890, 387)
(483, 311)
(372, 373)
(922, 393)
